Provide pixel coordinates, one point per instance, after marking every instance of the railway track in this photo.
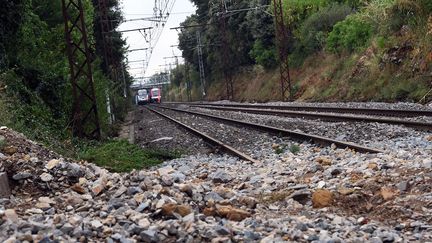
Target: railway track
(299, 136)
(329, 109)
(323, 116)
(208, 138)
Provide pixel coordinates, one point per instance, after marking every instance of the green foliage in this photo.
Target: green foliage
(313, 33)
(296, 11)
(294, 148)
(25, 111)
(121, 156)
(10, 20)
(381, 42)
(35, 71)
(265, 57)
(2, 143)
(355, 4)
(178, 75)
(408, 12)
(349, 34)
(279, 150)
(238, 34)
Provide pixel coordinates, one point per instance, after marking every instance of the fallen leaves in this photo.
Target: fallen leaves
(322, 198)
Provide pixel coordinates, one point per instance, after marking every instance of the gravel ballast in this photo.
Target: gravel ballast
(298, 192)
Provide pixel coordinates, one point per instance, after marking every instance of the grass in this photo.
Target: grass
(294, 149)
(279, 150)
(2, 143)
(121, 156)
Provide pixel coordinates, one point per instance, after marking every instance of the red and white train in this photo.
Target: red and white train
(145, 96)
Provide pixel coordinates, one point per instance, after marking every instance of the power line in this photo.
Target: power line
(175, 13)
(142, 60)
(139, 29)
(139, 49)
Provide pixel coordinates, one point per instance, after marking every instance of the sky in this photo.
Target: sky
(133, 9)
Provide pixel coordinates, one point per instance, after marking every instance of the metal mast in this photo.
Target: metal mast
(85, 119)
(201, 65)
(229, 82)
(188, 82)
(110, 65)
(282, 41)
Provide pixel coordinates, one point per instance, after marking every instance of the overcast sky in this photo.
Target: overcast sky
(144, 8)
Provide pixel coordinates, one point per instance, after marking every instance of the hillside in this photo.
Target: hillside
(376, 51)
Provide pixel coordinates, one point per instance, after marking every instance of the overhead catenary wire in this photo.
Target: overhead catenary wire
(152, 33)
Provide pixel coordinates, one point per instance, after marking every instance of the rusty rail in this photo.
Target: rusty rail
(331, 109)
(329, 117)
(208, 139)
(292, 134)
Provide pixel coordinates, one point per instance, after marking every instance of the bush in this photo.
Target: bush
(264, 56)
(314, 31)
(409, 12)
(296, 11)
(350, 34)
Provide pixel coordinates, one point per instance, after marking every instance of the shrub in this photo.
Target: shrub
(349, 34)
(296, 11)
(314, 31)
(409, 12)
(264, 56)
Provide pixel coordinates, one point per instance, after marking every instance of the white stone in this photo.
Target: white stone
(75, 220)
(337, 220)
(165, 170)
(96, 224)
(162, 139)
(160, 203)
(46, 177)
(52, 164)
(46, 200)
(11, 215)
(82, 181)
(34, 211)
(43, 205)
(145, 223)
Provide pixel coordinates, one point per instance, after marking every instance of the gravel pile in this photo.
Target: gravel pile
(298, 192)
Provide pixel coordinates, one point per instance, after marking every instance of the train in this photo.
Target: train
(145, 96)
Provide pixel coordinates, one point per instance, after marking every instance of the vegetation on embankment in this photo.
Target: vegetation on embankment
(352, 50)
(35, 89)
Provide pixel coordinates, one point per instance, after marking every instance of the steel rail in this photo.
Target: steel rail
(293, 134)
(329, 117)
(207, 138)
(332, 109)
